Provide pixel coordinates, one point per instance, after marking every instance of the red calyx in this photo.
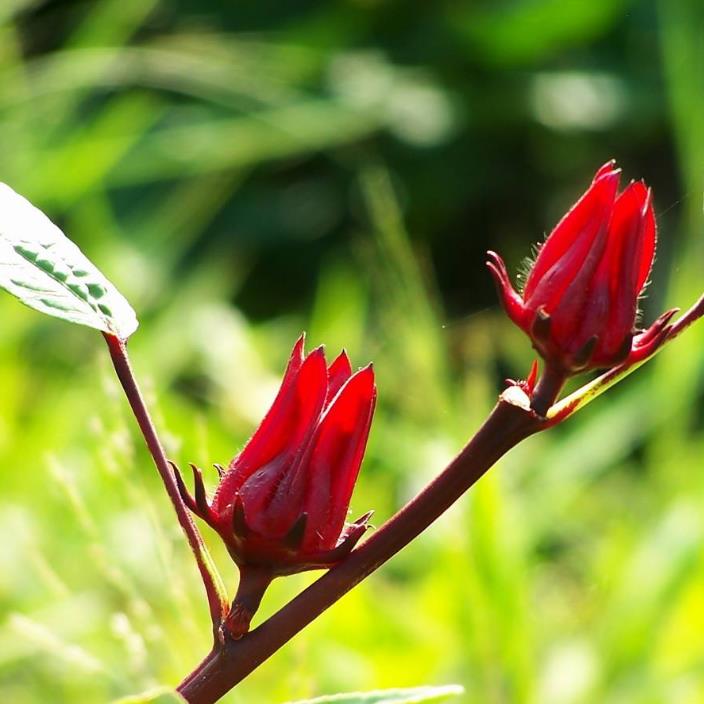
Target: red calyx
(281, 504)
(580, 301)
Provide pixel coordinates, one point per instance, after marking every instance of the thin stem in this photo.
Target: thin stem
(214, 589)
(224, 667)
(547, 390)
(253, 583)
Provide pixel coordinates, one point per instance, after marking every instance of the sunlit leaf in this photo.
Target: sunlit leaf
(391, 696)
(46, 271)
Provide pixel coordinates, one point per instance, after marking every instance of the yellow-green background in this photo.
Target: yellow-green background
(246, 170)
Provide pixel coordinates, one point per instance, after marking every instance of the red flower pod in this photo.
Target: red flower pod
(579, 304)
(281, 504)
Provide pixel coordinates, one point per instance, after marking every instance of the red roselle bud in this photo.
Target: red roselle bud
(281, 504)
(580, 300)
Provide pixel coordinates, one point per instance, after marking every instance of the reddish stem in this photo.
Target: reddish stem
(253, 583)
(216, 599)
(228, 664)
(547, 389)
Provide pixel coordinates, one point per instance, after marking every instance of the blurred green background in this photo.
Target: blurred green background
(243, 171)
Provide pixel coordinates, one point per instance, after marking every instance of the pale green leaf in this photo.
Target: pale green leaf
(46, 271)
(161, 695)
(391, 696)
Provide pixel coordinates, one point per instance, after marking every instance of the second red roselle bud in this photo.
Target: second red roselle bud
(281, 505)
(579, 304)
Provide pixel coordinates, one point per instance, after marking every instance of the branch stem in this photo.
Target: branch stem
(214, 589)
(547, 389)
(225, 666)
(253, 583)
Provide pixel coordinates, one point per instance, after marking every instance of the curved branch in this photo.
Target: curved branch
(510, 422)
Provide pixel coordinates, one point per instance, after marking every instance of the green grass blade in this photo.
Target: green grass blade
(391, 696)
